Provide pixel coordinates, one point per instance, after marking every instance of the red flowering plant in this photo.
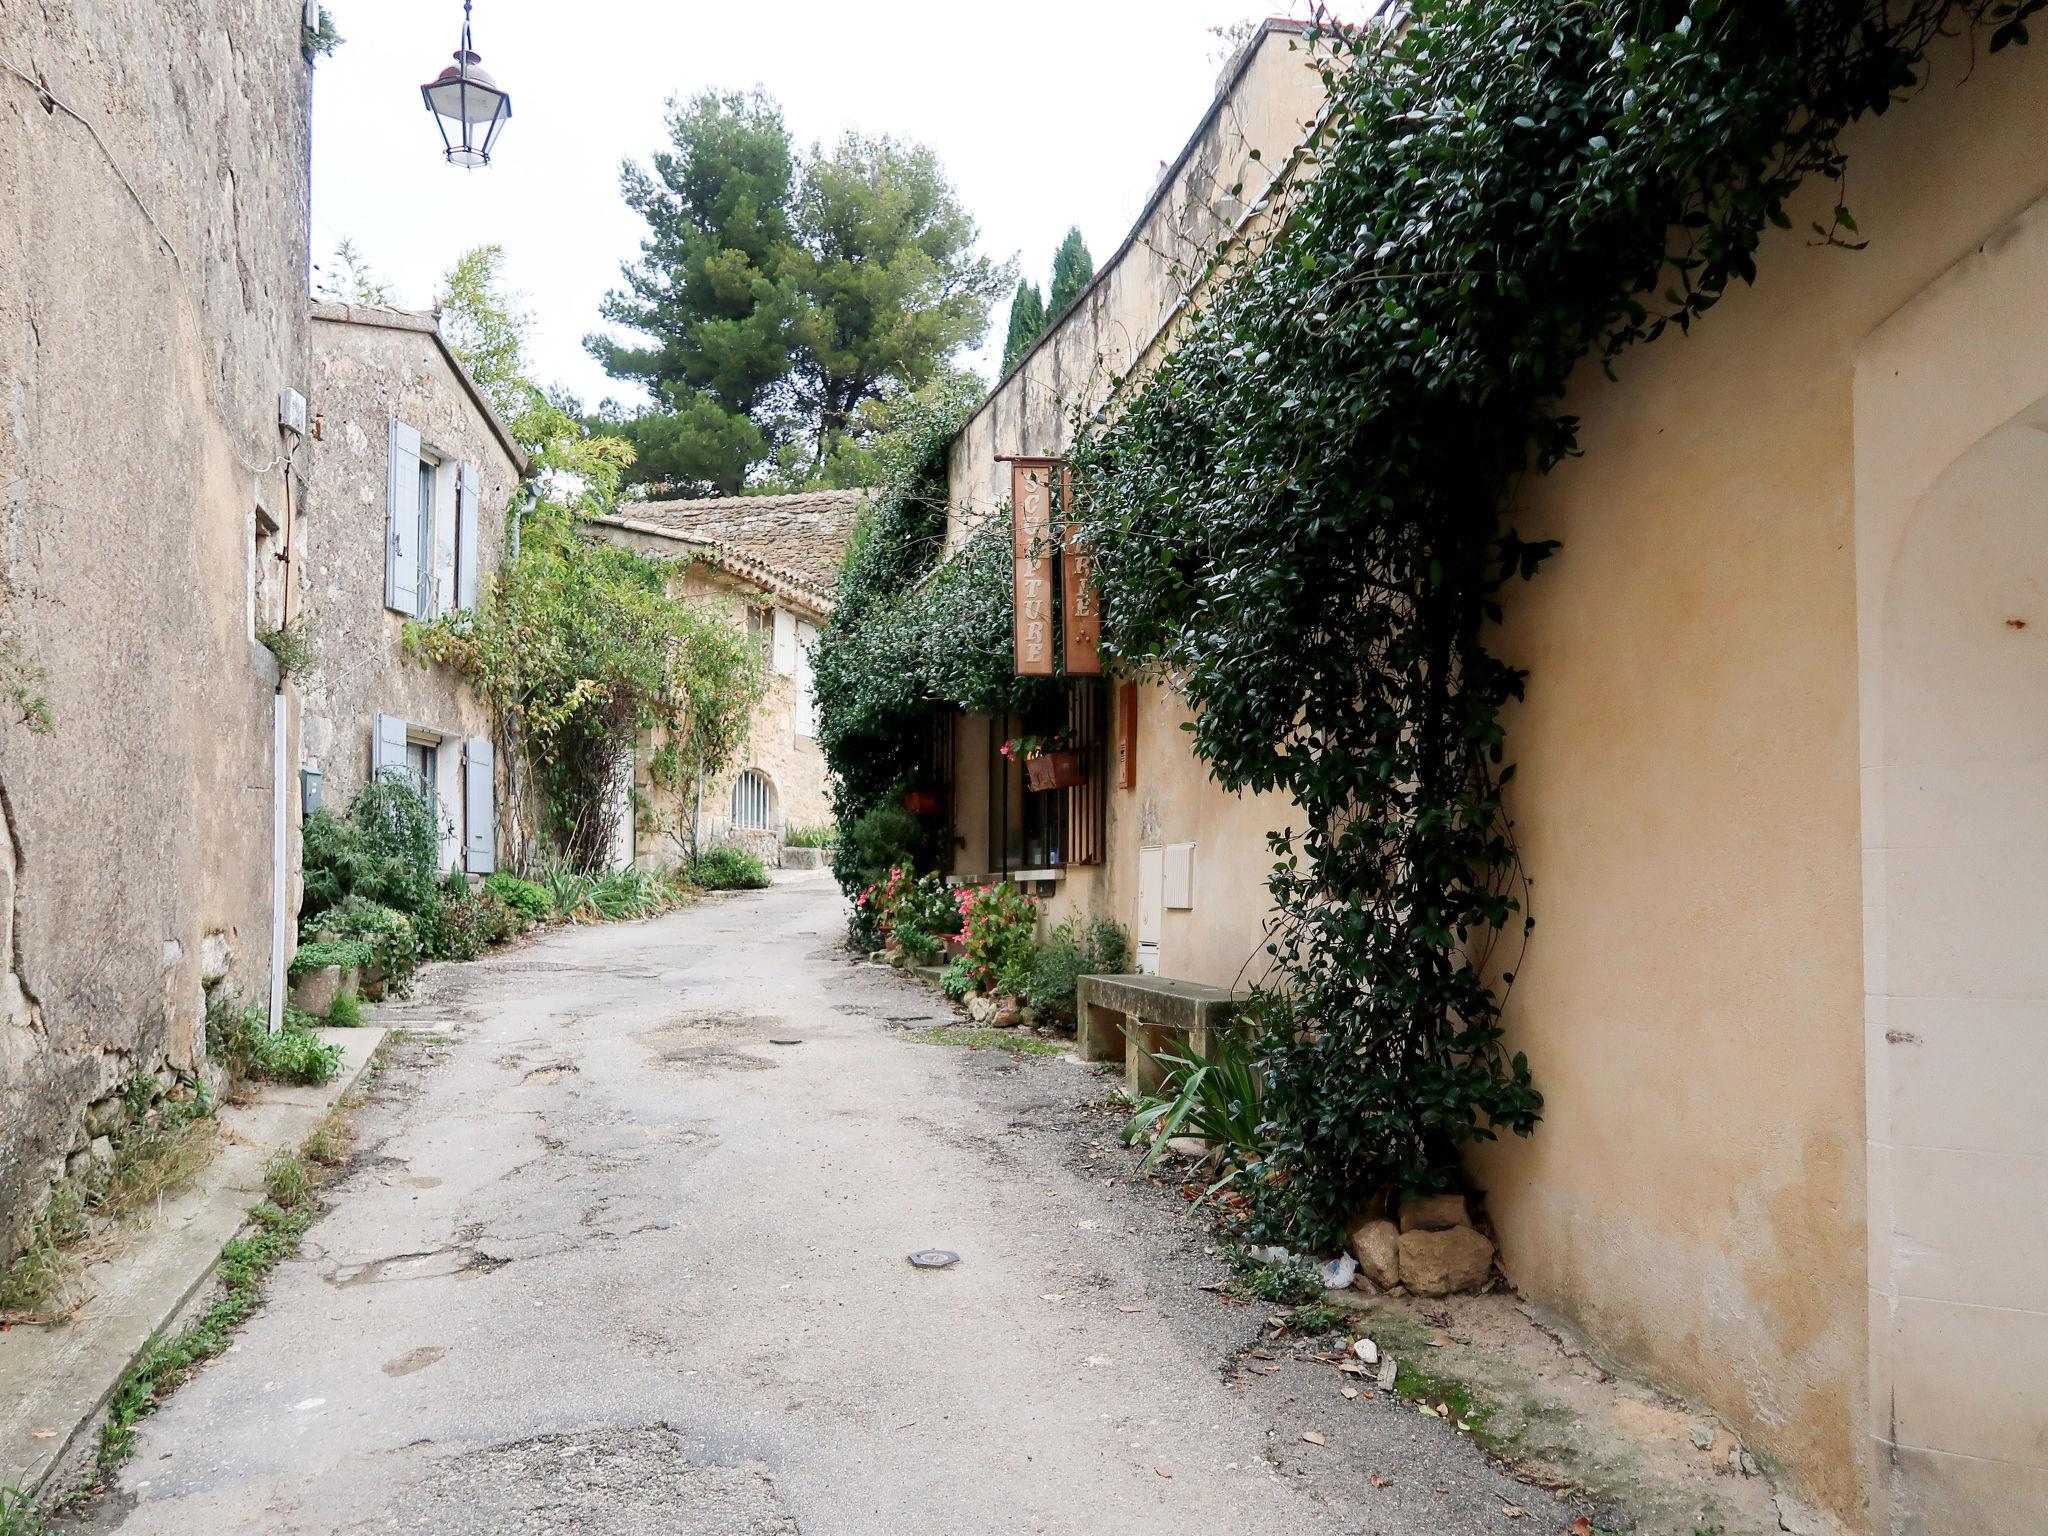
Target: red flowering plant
(1021, 749)
(916, 914)
(998, 928)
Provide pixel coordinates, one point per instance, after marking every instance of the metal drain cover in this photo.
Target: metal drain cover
(785, 1042)
(934, 1258)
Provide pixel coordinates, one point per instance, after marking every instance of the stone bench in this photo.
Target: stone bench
(1112, 1014)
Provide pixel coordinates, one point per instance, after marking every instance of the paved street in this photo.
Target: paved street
(623, 1251)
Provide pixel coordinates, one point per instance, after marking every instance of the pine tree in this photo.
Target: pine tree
(1027, 323)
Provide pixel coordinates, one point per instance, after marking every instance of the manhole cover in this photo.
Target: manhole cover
(934, 1258)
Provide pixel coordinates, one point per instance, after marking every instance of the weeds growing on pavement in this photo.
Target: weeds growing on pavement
(1014, 1041)
(19, 1515)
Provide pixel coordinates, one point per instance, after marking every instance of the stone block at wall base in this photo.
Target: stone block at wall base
(1442, 1263)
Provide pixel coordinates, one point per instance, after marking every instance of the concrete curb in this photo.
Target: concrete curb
(54, 1381)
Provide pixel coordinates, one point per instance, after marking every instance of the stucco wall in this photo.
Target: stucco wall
(364, 373)
(152, 305)
(1687, 803)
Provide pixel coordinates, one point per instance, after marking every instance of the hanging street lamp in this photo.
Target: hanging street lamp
(467, 104)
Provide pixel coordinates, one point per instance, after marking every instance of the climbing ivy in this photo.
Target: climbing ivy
(1299, 516)
(908, 643)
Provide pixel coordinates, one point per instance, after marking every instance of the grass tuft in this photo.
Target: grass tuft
(1015, 1041)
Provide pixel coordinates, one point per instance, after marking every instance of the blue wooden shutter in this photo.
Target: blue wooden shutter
(468, 490)
(387, 745)
(479, 808)
(402, 554)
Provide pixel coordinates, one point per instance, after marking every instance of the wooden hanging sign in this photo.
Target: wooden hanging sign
(1080, 612)
(1032, 552)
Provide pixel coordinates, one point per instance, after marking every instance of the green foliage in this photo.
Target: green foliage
(293, 646)
(998, 929)
(1077, 947)
(395, 943)
(239, 1037)
(1299, 516)
(1216, 1097)
(351, 954)
(619, 895)
(386, 851)
(1072, 270)
(21, 683)
(584, 650)
(885, 838)
(1027, 323)
(470, 924)
(957, 979)
(784, 297)
(524, 897)
(728, 869)
(345, 1012)
(320, 39)
(1288, 1282)
(825, 836)
(1017, 1042)
(349, 279)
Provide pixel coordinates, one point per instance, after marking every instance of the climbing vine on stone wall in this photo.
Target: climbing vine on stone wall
(1299, 516)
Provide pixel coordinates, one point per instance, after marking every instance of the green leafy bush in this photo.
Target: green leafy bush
(395, 948)
(470, 924)
(350, 954)
(957, 979)
(1077, 947)
(728, 869)
(887, 837)
(529, 900)
(826, 836)
(386, 850)
(346, 1011)
(239, 1036)
(620, 894)
(1288, 1282)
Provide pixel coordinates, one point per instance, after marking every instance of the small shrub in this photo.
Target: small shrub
(1076, 948)
(350, 954)
(285, 1180)
(728, 869)
(568, 891)
(1215, 1097)
(471, 924)
(826, 836)
(529, 900)
(293, 646)
(878, 842)
(387, 849)
(1289, 1282)
(240, 1037)
(957, 979)
(394, 940)
(621, 894)
(346, 1011)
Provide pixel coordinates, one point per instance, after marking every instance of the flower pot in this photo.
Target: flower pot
(1055, 770)
(922, 802)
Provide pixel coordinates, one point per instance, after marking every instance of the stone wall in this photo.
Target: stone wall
(152, 306)
(370, 365)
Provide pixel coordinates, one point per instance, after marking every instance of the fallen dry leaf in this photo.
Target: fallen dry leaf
(1313, 1438)
(1130, 1309)
(1056, 1296)
(43, 1434)
(1582, 1527)
(1514, 1511)
(1162, 1472)
(1377, 1481)
(1351, 1391)
(1439, 1339)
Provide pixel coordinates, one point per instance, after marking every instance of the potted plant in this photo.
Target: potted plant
(1049, 763)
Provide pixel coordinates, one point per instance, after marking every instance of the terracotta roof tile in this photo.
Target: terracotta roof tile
(801, 536)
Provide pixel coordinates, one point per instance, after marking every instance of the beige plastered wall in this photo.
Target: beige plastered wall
(363, 375)
(1688, 807)
(152, 305)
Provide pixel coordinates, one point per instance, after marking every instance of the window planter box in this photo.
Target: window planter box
(922, 802)
(1055, 770)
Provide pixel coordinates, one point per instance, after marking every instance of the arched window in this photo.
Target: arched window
(753, 800)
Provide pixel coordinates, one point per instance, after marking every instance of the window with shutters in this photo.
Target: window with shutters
(753, 800)
(806, 681)
(423, 590)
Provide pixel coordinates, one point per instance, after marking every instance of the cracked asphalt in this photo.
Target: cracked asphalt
(615, 1255)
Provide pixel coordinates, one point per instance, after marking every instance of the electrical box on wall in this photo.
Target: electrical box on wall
(1178, 876)
(291, 412)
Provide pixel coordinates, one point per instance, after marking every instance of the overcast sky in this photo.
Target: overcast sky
(1045, 114)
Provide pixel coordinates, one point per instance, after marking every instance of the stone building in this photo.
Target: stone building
(412, 480)
(774, 561)
(153, 258)
(1782, 788)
